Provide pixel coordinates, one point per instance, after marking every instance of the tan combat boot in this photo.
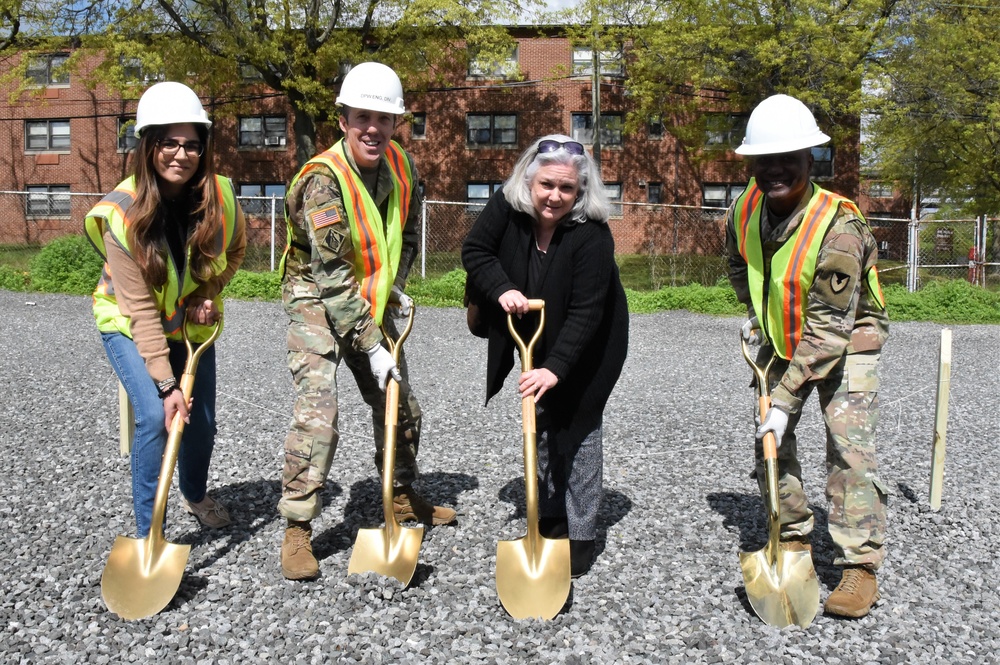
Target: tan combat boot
(410, 506)
(297, 560)
(855, 595)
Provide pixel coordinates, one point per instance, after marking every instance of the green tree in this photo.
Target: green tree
(689, 56)
(301, 48)
(935, 105)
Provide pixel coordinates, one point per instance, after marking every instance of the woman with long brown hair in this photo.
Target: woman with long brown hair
(172, 235)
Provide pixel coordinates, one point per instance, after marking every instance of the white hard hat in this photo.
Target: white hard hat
(780, 124)
(169, 103)
(372, 86)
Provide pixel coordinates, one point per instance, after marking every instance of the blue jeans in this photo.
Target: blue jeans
(150, 430)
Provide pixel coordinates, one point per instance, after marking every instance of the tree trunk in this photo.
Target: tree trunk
(304, 126)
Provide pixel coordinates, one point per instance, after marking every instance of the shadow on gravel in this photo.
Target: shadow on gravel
(746, 513)
(364, 510)
(614, 507)
(252, 506)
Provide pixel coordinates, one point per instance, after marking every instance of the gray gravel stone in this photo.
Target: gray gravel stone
(679, 507)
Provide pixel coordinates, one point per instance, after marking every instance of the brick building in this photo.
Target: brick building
(63, 137)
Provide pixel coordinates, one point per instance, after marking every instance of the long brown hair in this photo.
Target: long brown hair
(146, 234)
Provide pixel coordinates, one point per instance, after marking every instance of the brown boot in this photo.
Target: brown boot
(855, 595)
(410, 506)
(297, 560)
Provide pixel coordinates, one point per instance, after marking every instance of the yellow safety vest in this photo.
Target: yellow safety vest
(377, 242)
(111, 214)
(781, 306)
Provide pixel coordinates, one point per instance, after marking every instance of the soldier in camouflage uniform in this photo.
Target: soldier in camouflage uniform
(352, 215)
(803, 261)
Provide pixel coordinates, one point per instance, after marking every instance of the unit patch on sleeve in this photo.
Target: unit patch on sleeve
(324, 217)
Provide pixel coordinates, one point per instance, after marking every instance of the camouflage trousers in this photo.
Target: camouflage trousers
(313, 435)
(856, 496)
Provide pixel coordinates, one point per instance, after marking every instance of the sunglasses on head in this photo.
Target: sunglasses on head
(572, 147)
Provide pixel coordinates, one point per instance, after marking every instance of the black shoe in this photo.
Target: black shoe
(553, 527)
(581, 557)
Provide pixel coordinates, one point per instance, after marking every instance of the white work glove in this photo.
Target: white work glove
(382, 365)
(751, 331)
(776, 421)
(401, 300)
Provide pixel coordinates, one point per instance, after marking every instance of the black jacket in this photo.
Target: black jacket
(585, 340)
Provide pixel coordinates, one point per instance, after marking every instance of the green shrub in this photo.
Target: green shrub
(954, 301)
(253, 286)
(444, 291)
(14, 280)
(719, 300)
(66, 265)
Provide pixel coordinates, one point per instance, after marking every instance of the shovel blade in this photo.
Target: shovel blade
(782, 591)
(142, 576)
(375, 551)
(533, 584)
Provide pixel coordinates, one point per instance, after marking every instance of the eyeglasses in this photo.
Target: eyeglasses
(572, 147)
(169, 147)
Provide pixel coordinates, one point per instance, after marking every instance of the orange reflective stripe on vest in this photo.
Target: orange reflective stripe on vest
(780, 298)
(110, 214)
(377, 242)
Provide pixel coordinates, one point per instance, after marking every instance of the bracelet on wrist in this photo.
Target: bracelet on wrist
(165, 387)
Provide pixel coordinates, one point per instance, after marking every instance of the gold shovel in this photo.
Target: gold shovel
(781, 585)
(533, 572)
(391, 551)
(142, 574)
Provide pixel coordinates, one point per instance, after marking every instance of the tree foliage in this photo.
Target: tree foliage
(935, 105)
(301, 48)
(687, 56)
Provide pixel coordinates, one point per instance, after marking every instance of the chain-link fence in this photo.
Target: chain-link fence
(657, 245)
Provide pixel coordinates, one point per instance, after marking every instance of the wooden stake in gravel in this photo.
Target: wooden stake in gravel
(941, 419)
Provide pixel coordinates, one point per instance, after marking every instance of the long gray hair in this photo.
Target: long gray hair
(591, 199)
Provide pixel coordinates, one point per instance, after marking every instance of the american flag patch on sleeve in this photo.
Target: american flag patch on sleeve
(324, 217)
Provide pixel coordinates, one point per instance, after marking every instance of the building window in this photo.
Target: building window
(724, 130)
(654, 127)
(48, 69)
(126, 135)
(260, 206)
(483, 66)
(614, 192)
(822, 162)
(610, 62)
(720, 195)
(135, 72)
(880, 190)
(46, 135)
(418, 129)
(268, 131)
(611, 128)
(654, 192)
(249, 73)
(479, 193)
(486, 129)
(48, 201)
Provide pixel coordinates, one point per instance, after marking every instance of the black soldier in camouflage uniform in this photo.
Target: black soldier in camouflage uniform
(803, 261)
(352, 215)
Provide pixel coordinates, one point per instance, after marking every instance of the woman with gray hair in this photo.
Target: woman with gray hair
(545, 235)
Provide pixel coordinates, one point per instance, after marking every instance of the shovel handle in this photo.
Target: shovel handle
(391, 422)
(173, 445)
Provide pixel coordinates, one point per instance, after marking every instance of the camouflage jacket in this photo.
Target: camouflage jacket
(319, 287)
(839, 320)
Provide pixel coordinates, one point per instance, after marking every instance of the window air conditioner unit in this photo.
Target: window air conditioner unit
(273, 140)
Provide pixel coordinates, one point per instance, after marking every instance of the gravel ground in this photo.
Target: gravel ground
(679, 506)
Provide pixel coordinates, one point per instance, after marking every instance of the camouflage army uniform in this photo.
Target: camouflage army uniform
(837, 356)
(330, 321)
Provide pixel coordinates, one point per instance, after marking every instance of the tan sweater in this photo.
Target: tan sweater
(136, 301)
